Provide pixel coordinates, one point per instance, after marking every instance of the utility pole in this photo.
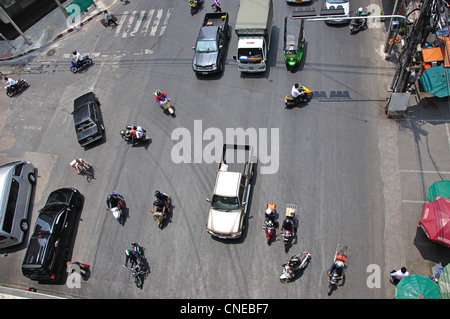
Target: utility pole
(417, 35)
(397, 6)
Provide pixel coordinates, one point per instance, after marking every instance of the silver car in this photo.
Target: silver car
(16, 185)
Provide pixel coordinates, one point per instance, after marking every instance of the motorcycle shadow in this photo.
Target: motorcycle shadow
(334, 287)
(168, 218)
(125, 215)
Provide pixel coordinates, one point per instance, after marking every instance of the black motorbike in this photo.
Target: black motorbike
(294, 266)
(139, 271)
(357, 25)
(16, 88)
(126, 135)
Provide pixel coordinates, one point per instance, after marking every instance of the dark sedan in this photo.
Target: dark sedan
(87, 119)
(49, 245)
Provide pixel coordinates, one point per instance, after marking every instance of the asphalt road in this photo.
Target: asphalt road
(327, 153)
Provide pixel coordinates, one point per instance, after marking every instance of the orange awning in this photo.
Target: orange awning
(432, 55)
(445, 48)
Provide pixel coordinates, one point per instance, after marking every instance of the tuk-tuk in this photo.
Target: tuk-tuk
(293, 41)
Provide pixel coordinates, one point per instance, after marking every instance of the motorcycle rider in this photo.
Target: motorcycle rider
(336, 268)
(163, 197)
(137, 134)
(297, 91)
(159, 207)
(361, 13)
(114, 200)
(10, 83)
(288, 226)
(78, 58)
(270, 214)
(160, 96)
(132, 256)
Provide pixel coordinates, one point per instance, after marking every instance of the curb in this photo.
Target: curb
(11, 56)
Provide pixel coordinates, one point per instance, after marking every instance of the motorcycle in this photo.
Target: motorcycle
(333, 277)
(357, 25)
(286, 238)
(74, 67)
(118, 211)
(269, 229)
(139, 271)
(166, 105)
(16, 88)
(306, 96)
(195, 5)
(294, 266)
(126, 135)
(159, 216)
(269, 223)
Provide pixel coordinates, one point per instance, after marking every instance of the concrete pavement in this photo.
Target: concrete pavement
(49, 29)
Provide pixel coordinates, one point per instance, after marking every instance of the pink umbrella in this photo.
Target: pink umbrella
(435, 220)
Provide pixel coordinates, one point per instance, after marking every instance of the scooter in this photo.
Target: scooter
(166, 105)
(269, 222)
(118, 211)
(195, 5)
(359, 24)
(306, 96)
(16, 88)
(74, 67)
(158, 216)
(126, 135)
(294, 266)
(269, 229)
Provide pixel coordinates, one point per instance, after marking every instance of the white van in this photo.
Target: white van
(16, 185)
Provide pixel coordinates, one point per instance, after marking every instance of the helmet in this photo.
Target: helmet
(269, 211)
(127, 252)
(74, 52)
(157, 193)
(360, 9)
(115, 193)
(157, 202)
(158, 92)
(128, 127)
(339, 264)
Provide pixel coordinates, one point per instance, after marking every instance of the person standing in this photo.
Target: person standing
(397, 275)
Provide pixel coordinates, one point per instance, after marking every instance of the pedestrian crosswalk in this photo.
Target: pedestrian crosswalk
(142, 23)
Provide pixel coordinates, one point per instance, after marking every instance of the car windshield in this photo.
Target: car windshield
(60, 196)
(206, 46)
(44, 222)
(85, 125)
(337, 1)
(224, 203)
(250, 55)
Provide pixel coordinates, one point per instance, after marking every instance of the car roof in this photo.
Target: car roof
(227, 184)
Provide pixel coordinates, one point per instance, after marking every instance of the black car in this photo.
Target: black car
(87, 119)
(49, 246)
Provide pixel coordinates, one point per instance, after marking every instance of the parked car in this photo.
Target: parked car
(16, 185)
(298, 1)
(87, 119)
(49, 246)
(338, 4)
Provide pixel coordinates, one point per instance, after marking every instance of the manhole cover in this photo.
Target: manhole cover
(51, 52)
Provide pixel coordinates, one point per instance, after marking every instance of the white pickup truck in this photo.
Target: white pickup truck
(226, 216)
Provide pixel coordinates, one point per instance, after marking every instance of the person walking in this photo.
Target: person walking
(109, 18)
(216, 4)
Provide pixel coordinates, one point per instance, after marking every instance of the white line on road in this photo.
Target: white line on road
(424, 172)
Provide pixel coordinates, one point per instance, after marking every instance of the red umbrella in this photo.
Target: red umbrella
(435, 220)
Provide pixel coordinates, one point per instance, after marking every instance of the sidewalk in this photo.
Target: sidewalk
(49, 29)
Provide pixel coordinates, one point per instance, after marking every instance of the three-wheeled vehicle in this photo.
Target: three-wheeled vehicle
(293, 42)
